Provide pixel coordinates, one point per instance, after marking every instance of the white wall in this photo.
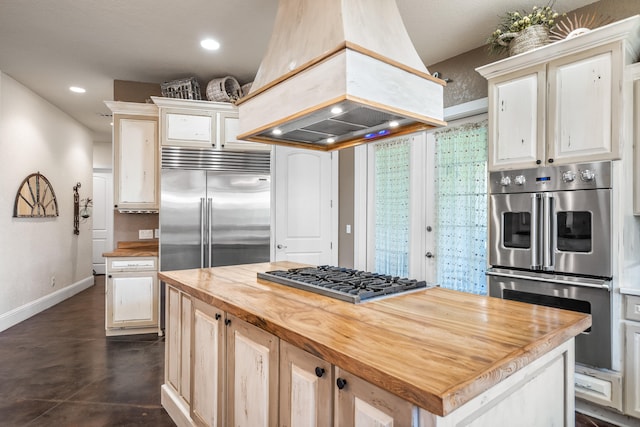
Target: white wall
(35, 136)
(102, 156)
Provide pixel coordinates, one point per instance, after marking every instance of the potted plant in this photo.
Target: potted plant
(521, 31)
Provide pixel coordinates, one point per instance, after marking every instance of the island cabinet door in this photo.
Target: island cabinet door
(207, 365)
(252, 375)
(361, 404)
(178, 339)
(306, 389)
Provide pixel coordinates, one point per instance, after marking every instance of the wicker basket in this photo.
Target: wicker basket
(530, 38)
(246, 88)
(226, 89)
(181, 89)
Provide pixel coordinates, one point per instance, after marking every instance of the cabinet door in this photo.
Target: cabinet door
(207, 365)
(136, 162)
(360, 404)
(516, 114)
(229, 131)
(178, 339)
(583, 103)
(188, 128)
(252, 375)
(305, 389)
(632, 375)
(133, 300)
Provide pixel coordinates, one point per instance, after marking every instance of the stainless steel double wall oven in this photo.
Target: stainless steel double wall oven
(550, 244)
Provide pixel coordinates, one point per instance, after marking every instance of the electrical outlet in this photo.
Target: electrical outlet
(53, 281)
(156, 233)
(145, 234)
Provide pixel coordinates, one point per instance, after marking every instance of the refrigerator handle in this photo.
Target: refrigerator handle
(536, 263)
(203, 219)
(210, 225)
(549, 232)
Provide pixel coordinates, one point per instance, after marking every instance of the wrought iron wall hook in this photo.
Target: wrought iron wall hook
(76, 209)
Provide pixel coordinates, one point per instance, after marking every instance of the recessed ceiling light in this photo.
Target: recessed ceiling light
(277, 132)
(77, 89)
(336, 110)
(210, 44)
(331, 140)
(394, 124)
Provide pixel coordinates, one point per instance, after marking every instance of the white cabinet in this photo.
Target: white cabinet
(632, 356)
(252, 375)
(207, 365)
(201, 124)
(360, 404)
(583, 104)
(131, 298)
(562, 103)
(306, 389)
(517, 107)
(135, 156)
(178, 343)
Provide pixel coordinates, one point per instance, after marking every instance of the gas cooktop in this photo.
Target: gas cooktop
(343, 283)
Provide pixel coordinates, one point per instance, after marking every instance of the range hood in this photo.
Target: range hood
(339, 73)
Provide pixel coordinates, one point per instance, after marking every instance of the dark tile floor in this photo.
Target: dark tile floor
(58, 369)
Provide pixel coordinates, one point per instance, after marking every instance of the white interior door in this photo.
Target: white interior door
(102, 218)
(305, 224)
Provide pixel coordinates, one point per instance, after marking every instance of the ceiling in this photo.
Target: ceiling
(49, 46)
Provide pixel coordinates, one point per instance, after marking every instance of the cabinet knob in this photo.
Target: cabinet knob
(227, 321)
(115, 206)
(109, 276)
(429, 255)
(218, 316)
(341, 383)
(538, 162)
(319, 372)
(550, 160)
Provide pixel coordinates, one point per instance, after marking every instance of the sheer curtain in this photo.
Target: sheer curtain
(392, 220)
(461, 207)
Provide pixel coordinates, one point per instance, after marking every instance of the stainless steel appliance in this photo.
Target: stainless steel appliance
(550, 244)
(214, 208)
(346, 284)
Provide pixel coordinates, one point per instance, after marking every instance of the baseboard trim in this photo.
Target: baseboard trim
(32, 308)
(174, 406)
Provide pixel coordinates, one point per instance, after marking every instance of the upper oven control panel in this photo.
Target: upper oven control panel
(579, 176)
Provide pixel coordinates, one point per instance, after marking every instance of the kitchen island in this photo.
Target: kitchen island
(245, 351)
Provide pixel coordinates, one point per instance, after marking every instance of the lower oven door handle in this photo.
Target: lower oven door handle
(605, 285)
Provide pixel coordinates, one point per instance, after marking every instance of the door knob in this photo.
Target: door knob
(281, 247)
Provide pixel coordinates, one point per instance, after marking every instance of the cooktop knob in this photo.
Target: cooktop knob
(568, 176)
(505, 181)
(520, 180)
(587, 175)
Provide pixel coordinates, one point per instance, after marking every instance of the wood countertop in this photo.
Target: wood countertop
(134, 249)
(436, 348)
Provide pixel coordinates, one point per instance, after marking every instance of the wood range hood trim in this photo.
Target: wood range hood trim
(355, 54)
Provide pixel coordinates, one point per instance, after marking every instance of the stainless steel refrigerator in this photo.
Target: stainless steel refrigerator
(214, 208)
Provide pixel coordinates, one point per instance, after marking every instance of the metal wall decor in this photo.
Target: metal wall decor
(35, 198)
(76, 209)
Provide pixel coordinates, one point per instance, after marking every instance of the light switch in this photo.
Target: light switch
(348, 230)
(156, 233)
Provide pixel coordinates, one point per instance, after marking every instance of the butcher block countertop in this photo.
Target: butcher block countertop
(134, 249)
(435, 348)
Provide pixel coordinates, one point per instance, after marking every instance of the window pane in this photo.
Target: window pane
(392, 207)
(461, 207)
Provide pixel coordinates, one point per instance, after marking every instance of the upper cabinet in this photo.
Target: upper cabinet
(135, 156)
(201, 124)
(562, 103)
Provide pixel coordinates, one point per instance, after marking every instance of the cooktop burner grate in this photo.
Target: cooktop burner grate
(343, 283)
